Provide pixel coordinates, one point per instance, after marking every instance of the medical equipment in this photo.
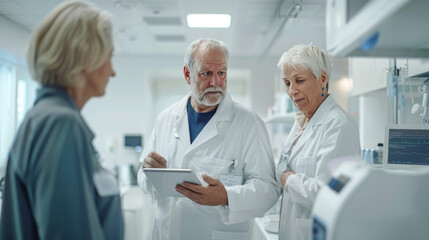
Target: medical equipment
(134, 141)
(423, 108)
(406, 147)
(396, 91)
(372, 203)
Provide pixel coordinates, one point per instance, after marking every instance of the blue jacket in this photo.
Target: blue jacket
(55, 186)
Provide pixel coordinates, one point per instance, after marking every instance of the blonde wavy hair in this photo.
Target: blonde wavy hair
(74, 37)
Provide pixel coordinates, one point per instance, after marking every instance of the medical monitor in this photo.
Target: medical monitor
(133, 140)
(406, 147)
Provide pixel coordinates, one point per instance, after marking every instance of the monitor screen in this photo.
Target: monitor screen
(133, 141)
(407, 145)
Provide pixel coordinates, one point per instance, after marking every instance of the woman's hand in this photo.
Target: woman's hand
(284, 177)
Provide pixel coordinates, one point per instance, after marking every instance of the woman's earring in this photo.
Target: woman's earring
(323, 89)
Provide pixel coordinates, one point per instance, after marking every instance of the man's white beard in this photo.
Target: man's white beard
(206, 100)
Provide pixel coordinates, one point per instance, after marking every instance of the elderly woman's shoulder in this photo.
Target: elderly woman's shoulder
(49, 113)
(338, 115)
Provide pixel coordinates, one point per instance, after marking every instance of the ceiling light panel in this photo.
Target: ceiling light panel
(208, 20)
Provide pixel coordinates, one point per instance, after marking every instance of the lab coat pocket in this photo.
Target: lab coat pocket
(210, 166)
(303, 228)
(307, 166)
(221, 235)
(105, 183)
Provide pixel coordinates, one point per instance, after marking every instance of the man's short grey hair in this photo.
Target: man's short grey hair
(307, 57)
(204, 44)
(74, 36)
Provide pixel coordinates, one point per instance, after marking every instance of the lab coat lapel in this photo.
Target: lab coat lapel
(314, 122)
(181, 127)
(214, 126)
(208, 132)
(303, 139)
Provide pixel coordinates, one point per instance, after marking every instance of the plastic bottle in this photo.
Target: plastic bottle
(379, 152)
(363, 154)
(366, 156)
(372, 156)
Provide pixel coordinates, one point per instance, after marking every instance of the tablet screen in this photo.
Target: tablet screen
(165, 180)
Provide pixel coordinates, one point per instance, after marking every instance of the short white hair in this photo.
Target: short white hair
(307, 57)
(205, 44)
(74, 36)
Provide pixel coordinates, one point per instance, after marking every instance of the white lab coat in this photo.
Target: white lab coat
(233, 134)
(331, 133)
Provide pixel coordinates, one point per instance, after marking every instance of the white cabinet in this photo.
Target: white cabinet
(139, 213)
(368, 74)
(402, 27)
(417, 66)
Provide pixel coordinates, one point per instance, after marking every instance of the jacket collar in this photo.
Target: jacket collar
(61, 94)
(320, 113)
(314, 122)
(55, 91)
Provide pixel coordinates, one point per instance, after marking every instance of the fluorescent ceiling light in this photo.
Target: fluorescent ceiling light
(208, 20)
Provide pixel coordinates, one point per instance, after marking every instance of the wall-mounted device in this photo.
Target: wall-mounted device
(135, 141)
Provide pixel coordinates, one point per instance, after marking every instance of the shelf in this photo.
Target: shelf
(281, 118)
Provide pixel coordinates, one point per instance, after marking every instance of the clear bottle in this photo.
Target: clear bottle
(372, 156)
(379, 153)
(366, 153)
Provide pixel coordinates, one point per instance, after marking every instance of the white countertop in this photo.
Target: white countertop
(259, 232)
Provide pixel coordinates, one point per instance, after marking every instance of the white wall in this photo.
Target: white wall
(13, 44)
(14, 38)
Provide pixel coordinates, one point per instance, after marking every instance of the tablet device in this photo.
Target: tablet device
(165, 180)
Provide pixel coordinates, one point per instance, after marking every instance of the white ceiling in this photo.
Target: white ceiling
(252, 33)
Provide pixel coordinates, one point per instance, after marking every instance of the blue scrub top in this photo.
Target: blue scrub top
(50, 191)
(197, 121)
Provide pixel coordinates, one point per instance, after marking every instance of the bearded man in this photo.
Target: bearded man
(224, 143)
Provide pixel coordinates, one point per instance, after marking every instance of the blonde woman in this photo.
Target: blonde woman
(55, 186)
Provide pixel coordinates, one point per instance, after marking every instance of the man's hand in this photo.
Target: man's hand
(154, 160)
(212, 195)
(284, 177)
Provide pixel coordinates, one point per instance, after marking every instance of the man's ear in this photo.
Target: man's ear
(187, 74)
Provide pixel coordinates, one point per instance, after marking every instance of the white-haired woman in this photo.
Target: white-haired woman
(322, 131)
(55, 186)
